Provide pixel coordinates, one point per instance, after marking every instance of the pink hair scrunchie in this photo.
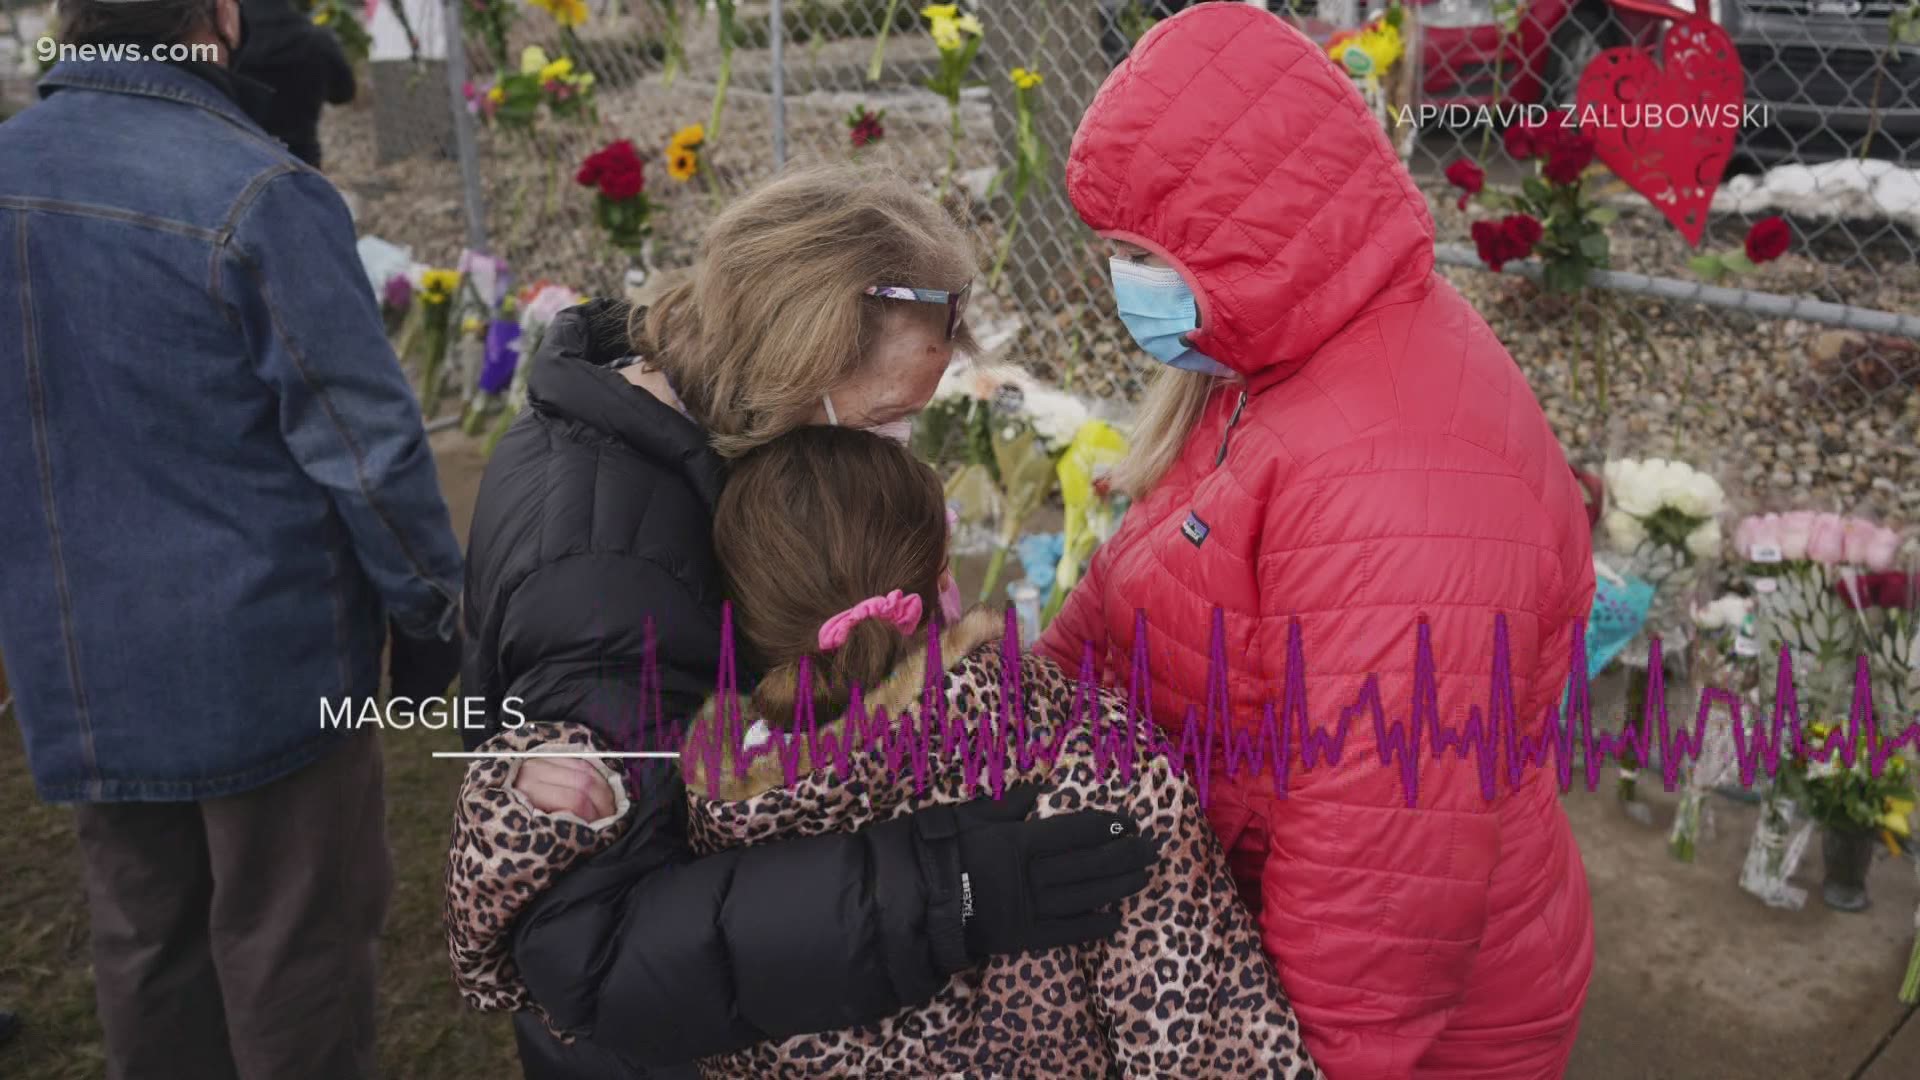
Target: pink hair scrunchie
(900, 609)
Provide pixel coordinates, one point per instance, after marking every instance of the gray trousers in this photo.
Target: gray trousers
(235, 938)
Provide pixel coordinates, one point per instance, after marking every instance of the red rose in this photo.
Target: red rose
(1570, 155)
(1524, 230)
(1504, 241)
(615, 168)
(623, 182)
(1469, 177)
(1521, 141)
(1889, 590)
(1768, 239)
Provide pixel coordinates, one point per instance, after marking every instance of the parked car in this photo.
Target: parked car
(1813, 64)
(1810, 65)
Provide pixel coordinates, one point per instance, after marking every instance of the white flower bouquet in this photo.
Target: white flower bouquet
(1007, 431)
(1662, 526)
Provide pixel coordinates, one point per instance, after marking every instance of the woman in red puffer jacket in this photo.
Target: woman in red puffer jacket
(1342, 447)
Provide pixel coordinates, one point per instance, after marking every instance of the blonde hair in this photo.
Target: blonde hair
(774, 316)
(1168, 415)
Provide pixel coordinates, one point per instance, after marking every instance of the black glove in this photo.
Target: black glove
(1031, 884)
(420, 668)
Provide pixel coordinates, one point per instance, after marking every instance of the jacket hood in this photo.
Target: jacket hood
(1229, 144)
(573, 378)
(901, 690)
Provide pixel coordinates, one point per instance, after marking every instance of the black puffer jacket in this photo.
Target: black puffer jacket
(595, 512)
(304, 65)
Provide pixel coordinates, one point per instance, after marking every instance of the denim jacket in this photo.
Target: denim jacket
(215, 479)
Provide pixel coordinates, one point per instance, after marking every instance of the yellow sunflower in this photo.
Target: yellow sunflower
(690, 137)
(564, 12)
(437, 286)
(682, 163)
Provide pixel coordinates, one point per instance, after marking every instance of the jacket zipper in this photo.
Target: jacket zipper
(1239, 407)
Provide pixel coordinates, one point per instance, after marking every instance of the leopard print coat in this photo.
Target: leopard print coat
(503, 854)
(1183, 990)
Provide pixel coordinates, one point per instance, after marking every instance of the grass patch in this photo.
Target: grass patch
(426, 1033)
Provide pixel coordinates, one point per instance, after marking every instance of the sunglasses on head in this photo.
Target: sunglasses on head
(956, 301)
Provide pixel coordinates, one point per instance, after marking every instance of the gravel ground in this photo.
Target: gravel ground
(1786, 413)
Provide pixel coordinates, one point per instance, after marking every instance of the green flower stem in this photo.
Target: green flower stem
(953, 144)
(880, 41)
(1006, 241)
(1910, 987)
(720, 94)
(995, 566)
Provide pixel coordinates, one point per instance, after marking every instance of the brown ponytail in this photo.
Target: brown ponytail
(809, 525)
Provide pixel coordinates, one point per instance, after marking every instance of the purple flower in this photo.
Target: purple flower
(501, 356)
(398, 294)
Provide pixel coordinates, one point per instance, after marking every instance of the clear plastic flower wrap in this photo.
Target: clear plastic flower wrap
(1780, 838)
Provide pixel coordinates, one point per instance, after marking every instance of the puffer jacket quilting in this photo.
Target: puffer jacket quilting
(1390, 473)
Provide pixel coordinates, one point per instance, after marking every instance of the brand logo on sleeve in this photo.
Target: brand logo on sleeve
(966, 898)
(1194, 529)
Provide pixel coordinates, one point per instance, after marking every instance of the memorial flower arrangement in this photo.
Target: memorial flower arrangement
(1768, 239)
(1371, 54)
(1720, 627)
(491, 21)
(435, 295)
(958, 38)
(339, 19)
(1848, 795)
(617, 178)
(864, 127)
(683, 152)
(396, 300)
(1826, 592)
(1662, 528)
(569, 14)
(1029, 162)
(534, 310)
(515, 99)
(1092, 512)
(1009, 433)
(1553, 216)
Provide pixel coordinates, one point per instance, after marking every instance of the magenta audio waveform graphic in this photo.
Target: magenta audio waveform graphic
(1283, 734)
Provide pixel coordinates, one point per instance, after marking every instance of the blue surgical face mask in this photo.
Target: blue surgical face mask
(1160, 311)
(900, 431)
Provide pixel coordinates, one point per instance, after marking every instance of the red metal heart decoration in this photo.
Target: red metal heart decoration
(1698, 82)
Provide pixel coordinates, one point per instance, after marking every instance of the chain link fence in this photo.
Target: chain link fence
(1801, 378)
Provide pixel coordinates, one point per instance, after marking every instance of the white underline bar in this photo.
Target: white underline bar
(569, 754)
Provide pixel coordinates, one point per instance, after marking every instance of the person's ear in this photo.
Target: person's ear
(226, 18)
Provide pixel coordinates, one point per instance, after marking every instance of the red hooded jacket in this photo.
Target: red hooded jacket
(1389, 469)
